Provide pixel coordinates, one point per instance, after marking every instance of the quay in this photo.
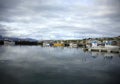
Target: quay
(109, 50)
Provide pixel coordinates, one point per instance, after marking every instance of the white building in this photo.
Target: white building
(73, 45)
(9, 42)
(45, 44)
(96, 43)
(111, 45)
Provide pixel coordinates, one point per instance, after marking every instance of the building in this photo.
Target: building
(45, 44)
(58, 45)
(73, 45)
(112, 44)
(9, 42)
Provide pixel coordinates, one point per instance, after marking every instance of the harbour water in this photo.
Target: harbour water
(57, 65)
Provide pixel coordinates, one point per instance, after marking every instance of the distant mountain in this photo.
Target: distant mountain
(28, 39)
(1, 38)
(12, 38)
(17, 39)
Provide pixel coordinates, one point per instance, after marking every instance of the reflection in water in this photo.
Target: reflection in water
(105, 54)
(48, 65)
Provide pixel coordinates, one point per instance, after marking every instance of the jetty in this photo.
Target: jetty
(100, 49)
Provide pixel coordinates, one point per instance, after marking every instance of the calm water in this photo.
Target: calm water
(40, 65)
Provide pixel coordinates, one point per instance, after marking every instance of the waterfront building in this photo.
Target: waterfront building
(46, 44)
(9, 42)
(73, 45)
(112, 44)
(58, 45)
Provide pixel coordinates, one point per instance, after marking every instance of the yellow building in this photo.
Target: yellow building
(58, 44)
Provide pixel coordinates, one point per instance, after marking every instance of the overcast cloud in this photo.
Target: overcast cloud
(59, 19)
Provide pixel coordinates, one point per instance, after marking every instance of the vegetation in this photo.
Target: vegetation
(1, 42)
(26, 43)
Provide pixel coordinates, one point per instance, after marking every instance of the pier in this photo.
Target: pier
(99, 49)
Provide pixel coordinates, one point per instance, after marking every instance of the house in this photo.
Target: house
(45, 44)
(73, 45)
(96, 43)
(58, 45)
(112, 44)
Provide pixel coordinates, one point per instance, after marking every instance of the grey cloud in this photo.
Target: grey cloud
(41, 18)
(2, 30)
(5, 5)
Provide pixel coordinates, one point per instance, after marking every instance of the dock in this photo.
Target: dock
(99, 49)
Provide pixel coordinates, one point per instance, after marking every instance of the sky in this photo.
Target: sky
(59, 19)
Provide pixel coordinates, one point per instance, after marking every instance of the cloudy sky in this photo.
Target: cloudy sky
(59, 19)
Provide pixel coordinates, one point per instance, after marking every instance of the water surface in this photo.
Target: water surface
(49, 65)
